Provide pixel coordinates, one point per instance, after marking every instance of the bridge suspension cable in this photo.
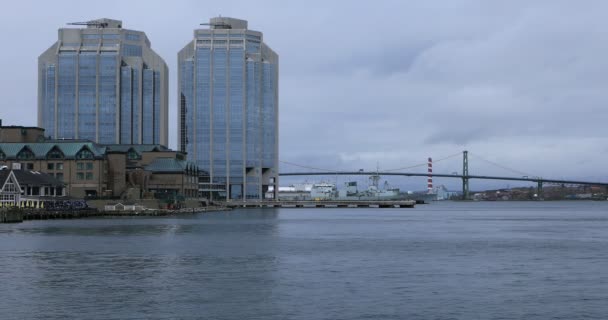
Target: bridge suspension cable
(389, 170)
(501, 166)
(306, 167)
(426, 163)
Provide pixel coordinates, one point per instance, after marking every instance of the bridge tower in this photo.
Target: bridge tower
(539, 189)
(465, 175)
(430, 176)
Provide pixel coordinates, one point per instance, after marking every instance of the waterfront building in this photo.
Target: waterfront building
(21, 188)
(105, 84)
(228, 108)
(93, 170)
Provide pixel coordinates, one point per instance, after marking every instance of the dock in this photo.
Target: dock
(322, 204)
(10, 216)
(25, 214)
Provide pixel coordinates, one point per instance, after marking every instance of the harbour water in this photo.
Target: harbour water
(446, 260)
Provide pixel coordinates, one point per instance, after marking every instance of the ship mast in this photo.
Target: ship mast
(375, 178)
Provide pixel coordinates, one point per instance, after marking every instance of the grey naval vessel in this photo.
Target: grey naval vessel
(329, 191)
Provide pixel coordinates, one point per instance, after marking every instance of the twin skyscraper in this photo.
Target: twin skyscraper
(103, 83)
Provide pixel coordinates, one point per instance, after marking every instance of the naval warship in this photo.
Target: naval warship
(328, 191)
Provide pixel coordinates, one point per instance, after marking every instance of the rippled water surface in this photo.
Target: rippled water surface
(507, 260)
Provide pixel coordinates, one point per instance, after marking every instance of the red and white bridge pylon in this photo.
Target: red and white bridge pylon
(430, 176)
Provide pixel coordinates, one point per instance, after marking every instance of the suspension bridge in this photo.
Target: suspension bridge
(465, 176)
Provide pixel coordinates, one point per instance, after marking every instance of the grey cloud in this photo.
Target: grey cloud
(389, 82)
(379, 60)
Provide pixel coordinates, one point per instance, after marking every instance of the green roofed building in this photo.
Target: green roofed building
(96, 170)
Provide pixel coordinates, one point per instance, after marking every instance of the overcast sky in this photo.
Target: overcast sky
(387, 83)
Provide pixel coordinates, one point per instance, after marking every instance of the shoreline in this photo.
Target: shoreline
(18, 215)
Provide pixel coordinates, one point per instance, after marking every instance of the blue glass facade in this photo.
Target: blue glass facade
(236, 116)
(103, 89)
(48, 99)
(108, 68)
(126, 105)
(253, 147)
(87, 96)
(66, 95)
(157, 110)
(187, 116)
(228, 97)
(268, 115)
(202, 125)
(130, 50)
(135, 106)
(218, 114)
(148, 107)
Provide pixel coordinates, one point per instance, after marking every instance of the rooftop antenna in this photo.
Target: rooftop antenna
(97, 24)
(218, 25)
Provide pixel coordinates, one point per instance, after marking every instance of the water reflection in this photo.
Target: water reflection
(458, 261)
(101, 268)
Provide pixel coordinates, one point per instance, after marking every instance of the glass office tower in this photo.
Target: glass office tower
(103, 83)
(228, 108)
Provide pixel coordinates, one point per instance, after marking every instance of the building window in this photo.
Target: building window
(254, 37)
(79, 176)
(80, 166)
(29, 166)
(59, 176)
(111, 36)
(25, 154)
(54, 154)
(252, 46)
(132, 155)
(84, 154)
(132, 36)
(89, 176)
(50, 166)
(89, 165)
(110, 43)
(59, 166)
(131, 50)
(91, 36)
(2, 155)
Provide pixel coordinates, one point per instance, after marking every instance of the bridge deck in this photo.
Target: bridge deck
(441, 175)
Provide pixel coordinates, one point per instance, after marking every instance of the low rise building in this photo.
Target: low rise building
(24, 188)
(20, 134)
(89, 169)
(93, 170)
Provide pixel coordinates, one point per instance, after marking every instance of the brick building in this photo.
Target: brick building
(94, 170)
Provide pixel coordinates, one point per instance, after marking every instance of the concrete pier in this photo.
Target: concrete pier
(11, 216)
(322, 204)
(20, 215)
